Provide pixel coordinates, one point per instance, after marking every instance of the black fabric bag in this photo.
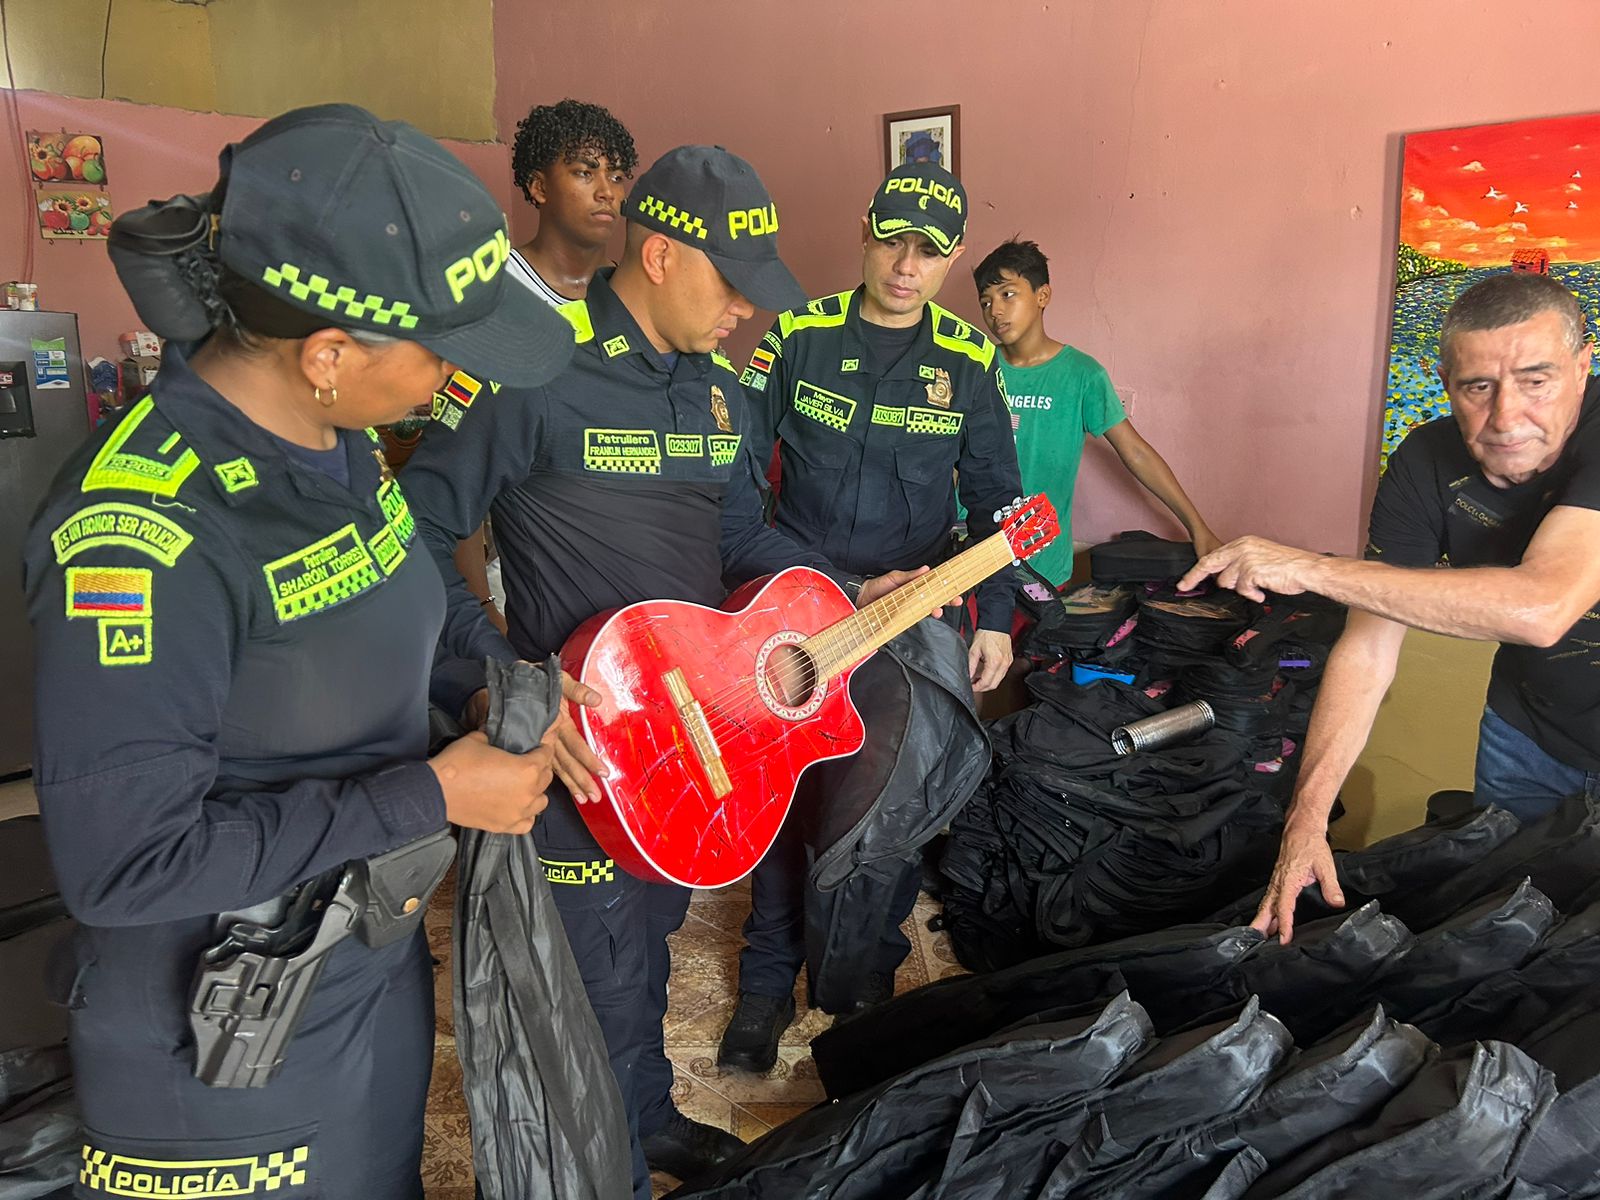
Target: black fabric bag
(1195, 1076)
(1513, 1004)
(1561, 1157)
(1083, 620)
(1140, 557)
(41, 1134)
(1192, 629)
(1459, 1121)
(1495, 936)
(547, 1118)
(1313, 982)
(885, 1141)
(936, 1019)
(1403, 863)
(1560, 853)
(1171, 1093)
(1340, 1081)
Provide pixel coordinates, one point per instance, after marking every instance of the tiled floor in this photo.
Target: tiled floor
(701, 997)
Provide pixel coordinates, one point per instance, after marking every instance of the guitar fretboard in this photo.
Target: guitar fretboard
(847, 642)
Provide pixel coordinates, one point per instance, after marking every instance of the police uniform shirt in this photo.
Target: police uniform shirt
(624, 479)
(1435, 508)
(233, 652)
(868, 449)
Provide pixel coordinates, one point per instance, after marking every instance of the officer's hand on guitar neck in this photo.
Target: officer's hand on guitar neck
(878, 586)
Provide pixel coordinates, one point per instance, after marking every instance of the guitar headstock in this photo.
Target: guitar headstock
(1030, 524)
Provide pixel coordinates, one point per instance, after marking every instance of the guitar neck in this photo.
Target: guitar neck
(845, 643)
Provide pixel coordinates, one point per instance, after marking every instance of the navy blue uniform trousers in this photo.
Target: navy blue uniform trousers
(342, 1120)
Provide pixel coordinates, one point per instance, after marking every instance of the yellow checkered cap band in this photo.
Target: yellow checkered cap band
(671, 214)
(339, 300)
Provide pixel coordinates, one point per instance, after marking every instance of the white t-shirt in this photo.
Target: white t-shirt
(522, 271)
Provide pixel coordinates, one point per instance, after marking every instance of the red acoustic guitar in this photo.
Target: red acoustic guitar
(709, 716)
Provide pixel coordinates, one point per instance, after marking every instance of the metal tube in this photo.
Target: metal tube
(1163, 729)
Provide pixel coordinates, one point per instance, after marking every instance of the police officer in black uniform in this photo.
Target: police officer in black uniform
(235, 630)
(876, 398)
(628, 478)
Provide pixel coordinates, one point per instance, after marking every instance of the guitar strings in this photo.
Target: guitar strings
(732, 707)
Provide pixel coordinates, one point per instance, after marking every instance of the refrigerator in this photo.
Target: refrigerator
(44, 416)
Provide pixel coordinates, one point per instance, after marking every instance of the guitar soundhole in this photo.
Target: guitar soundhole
(791, 675)
(786, 677)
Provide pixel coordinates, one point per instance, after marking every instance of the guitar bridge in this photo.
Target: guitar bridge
(701, 738)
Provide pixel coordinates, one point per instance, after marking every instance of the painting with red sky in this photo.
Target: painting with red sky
(1523, 196)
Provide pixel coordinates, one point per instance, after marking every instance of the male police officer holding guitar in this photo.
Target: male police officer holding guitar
(625, 479)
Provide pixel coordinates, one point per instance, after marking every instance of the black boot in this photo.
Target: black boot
(685, 1148)
(750, 1042)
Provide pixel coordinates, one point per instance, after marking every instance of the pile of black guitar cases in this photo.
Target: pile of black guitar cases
(1069, 844)
(1438, 1039)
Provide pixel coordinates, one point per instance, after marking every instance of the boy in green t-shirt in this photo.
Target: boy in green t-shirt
(1057, 396)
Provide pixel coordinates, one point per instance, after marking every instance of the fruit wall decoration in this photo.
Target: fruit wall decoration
(69, 171)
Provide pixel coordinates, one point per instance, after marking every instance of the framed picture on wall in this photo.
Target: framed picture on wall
(1474, 201)
(924, 135)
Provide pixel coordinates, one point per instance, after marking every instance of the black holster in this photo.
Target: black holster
(252, 986)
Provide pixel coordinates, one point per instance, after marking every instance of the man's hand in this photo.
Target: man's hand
(879, 586)
(989, 659)
(1253, 567)
(576, 765)
(1303, 859)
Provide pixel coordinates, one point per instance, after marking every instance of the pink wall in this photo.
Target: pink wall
(152, 153)
(1216, 182)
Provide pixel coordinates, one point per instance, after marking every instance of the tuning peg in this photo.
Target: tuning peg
(1000, 514)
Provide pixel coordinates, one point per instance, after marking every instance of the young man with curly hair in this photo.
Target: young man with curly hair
(572, 161)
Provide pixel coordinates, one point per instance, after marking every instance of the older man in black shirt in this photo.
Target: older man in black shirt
(1506, 493)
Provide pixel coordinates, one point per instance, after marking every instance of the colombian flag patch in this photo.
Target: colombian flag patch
(462, 388)
(108, 591)
(761, 360)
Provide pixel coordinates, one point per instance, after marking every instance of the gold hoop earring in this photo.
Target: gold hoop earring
(333, 397)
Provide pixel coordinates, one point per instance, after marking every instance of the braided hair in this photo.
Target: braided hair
(554, 133)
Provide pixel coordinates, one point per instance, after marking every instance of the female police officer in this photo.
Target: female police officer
(235, 634)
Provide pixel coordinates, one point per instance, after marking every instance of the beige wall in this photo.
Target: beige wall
(1424, 740)
(430, 62)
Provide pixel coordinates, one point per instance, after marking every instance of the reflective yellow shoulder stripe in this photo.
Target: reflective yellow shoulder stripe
(815, 315)
(577, 314)
(116, 467)
(721, 359)
(961, 337)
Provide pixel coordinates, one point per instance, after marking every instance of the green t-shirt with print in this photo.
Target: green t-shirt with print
(1053, 407)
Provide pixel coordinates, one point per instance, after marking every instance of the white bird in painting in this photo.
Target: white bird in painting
(1577, 174)
(1492, 194)
(1521, 207)
(1572, 204)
